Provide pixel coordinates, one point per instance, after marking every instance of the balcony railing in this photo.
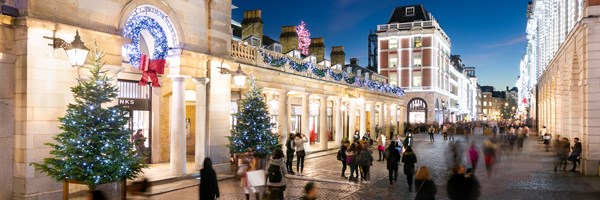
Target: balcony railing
(410, 25)
(276, 61)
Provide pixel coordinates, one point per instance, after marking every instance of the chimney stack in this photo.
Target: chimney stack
(317, 48)
(338, 56)
(252, 25)
(354, 61)
(288, 39)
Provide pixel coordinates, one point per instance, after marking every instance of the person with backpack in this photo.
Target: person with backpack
(289, 152)
(341, 156)
(351, 161)
(276, 171)
(392, 155)
(365, 159)
(409, 159)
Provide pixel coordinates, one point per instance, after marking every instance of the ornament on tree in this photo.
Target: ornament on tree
(303, 38)
(150, 68)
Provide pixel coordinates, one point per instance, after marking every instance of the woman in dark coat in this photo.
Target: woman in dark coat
(409, 159)
(426, 188)
(392, 156)
(209, 188)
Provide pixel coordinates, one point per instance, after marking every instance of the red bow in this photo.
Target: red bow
(150, 68)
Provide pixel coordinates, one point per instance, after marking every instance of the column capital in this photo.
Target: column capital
(177, 77)
(201, 80)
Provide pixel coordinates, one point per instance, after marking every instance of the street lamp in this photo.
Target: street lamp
(239, 77)
(76, 50)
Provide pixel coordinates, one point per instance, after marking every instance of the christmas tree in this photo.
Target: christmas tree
(94, 147)
(252, 132)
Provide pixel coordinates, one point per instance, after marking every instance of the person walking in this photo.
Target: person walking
(209, 188)
(562, 153)
(276, 171)
(520, 138)
(365, 160)
(426, 188)
(341, 156)
(452, 131)
(473, 155)
(289, 152)
(393, 158)
(248, 165)
(351, 161)
(456, 184)
(489, 155)
(409, 159)
(547, 138)
(472, 186)
(381, 147)
(299, 141)
(445, 131)
(431, 131)
(575, 153)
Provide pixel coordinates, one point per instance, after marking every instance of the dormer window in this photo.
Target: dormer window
(254, 41)
(410, 11)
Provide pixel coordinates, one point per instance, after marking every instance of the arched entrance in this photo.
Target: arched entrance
(417, 111)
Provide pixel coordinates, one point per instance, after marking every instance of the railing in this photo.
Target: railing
(410, 25)
(239, 50)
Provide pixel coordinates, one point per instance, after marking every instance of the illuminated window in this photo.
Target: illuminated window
(417, 77)
(393, 63)
(417, 59)
(418, 42)
(393, 78)
(393, 43)
(485, 103)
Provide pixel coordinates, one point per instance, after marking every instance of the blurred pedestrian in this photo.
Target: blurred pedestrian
(452, 132)
(341, 156)
(473, 188)
(409, 159)
(248, 165)
(393, 158)
(310, 191)
(426, 188)
(576, 152)
(98, 195)
(209, 187)
(547, 137)
(562, 153)
(351, 161)
(456, 184)
(520, 137)
(381, 147)
(489, 155)
(431, 131)
(276, 171)
(473, 155)
(445, 131)
(365, 160)
(299, 141)
(289, 152)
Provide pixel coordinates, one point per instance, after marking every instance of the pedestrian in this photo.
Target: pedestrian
(351, 161)
(365, 160)
(426, 188)
(392, 155)
(520, 138)
(489, 155)
(409, 159)
(452, 131)
(575, 153)
(341, 156)
(547, 138)
(431, 131)
(356, 136)
(456, 184)
(310, 191)
(494, 131)
(473, 155)
(543, 131)
(472, 185)
(562, 153)
(299, 141)
(209, 188)
(445, 132)
(276, 171)
(381, 147)
(248, 165)
(359, 172)
(289, 152)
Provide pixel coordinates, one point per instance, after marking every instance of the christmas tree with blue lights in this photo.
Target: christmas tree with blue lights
(253, 131)
(94, 146)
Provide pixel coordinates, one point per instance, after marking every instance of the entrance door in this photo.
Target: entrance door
(137, 100)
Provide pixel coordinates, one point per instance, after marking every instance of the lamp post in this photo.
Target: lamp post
(239, 77)
(76, 50)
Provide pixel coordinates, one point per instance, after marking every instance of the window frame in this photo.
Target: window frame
(412, 13)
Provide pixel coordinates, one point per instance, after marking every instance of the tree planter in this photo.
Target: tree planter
(112, 191)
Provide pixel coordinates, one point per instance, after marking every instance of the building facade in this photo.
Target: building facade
(189, 116)
(562, 72)
(414, 53)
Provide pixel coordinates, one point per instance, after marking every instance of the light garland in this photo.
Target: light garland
(133, 30)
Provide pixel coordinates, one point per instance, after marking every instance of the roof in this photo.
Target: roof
(399, 14)
(499, 94)
(267, 41)
(487, 88)
(237, 30)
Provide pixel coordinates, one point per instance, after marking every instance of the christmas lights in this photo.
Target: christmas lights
(303, 38)
(133, 31)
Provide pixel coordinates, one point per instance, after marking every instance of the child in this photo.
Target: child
(248, 165)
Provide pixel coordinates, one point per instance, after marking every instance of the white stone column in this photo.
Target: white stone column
(156, 147)
(339, 129)
(381, 116)
(363, 118)
(323, 123)
(305, 127)
(200, 143)
(387, 120)
(282, 116)
(352, 119)
(177, 126)
(372, 119)
(394, 114)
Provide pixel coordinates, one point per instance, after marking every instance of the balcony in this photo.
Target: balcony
(271, 60)
(411, 25)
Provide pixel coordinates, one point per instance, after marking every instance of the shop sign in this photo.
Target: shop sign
(135, 104)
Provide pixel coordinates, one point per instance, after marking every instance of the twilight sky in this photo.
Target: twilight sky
(489, 35)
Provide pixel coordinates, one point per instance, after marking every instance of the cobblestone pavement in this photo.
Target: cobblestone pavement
(525, 174)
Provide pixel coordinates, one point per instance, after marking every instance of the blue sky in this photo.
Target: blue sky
(489, 35)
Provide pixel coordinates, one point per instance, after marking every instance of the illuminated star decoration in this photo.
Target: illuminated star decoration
(303, 38)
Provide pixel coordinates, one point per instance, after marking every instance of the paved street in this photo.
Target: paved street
(519, 175)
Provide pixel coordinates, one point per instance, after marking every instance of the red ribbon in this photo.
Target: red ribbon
(150, 68)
